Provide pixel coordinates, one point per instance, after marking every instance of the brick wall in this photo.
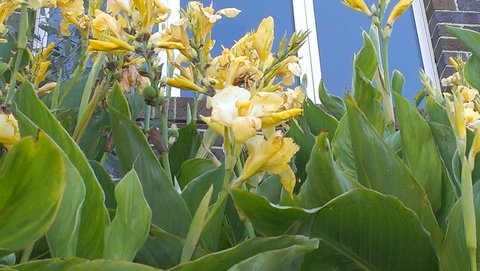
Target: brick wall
(440, 13)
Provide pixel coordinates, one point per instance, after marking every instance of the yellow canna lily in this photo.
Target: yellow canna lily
(275, 119)
(72, 12)
(105, 24)
(272, 156)
(263, 39)
(106, 46)
(6, 9)
(183, 83)
(45, 89)
(41, 73)
(358, 5)
(398, 10)
(9, 133)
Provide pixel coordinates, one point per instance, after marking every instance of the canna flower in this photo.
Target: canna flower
(116, 6)
(104, 23)
(9, 133)
(146, 13)
(72, 12)
(6, 9)
(183, 82)
(205, 17)
(398, 10)
(263, 39)
(40, 64)
(111, 45)
(234, 107)
(273, 156)
(45, 89)
(358, 5)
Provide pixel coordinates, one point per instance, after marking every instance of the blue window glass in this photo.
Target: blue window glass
(339, 37)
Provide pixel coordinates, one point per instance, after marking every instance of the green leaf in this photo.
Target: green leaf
(33, 172)
(268, 219)
(134, 151)
(184, 148)
(472, 71)
(226, 259)
(163, 250)
(470, 38)
(62, 237)
(57, 264)
(193, 195)
(333, 103)
(279, 259)
(76, 264)
(398, 81)
(192, 169)
(196, 227)
(32, 113)
(129, 228)
(379, 168)
(368, 231)
(302, 137)
(454, 255)
(420, 150)
(107, 184)
(325, 180)
(343, 150)
(369, 100)
(317, 120)
(366, 60)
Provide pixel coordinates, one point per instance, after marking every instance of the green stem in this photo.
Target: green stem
(21, 46)
(148, 116)
(387, 94)
(468, 211)
(27, 252)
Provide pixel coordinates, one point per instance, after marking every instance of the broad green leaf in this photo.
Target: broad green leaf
(107, 184)
(379, 168)
(470, 38)
(317, 120)
(270, 188)
(129, 228)
(398, 81)
(454, 255)
(192, 169)
(184, 148)
(134, 151)
(325, 180)
(420, 150)
(223, 260)
(193, 195)
(369, 100)
(366, 60)
(300, 133)
(57, 264)
(198, 187)
(436, 112)
(368, 231)
(268, 219)
(332, 103)
(32, 173)
(77, 264)
(279, 259)
(196, 227)
(342, 149)
(62, 237)
(33, 113)
(163, 250)
(472, 71)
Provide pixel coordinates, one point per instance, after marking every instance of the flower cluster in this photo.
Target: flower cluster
(466, 95)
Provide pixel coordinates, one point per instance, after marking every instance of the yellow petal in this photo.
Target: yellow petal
(245, 127)
(9, 133)
(288, 180)
(105, 46)
(217, 127)
(358, 5)
(275, 119)
(398, 10)
(183, 83)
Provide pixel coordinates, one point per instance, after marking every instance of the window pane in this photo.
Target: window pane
(227, 30)
(339, 37)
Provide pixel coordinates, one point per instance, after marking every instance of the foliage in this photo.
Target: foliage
(91, 180)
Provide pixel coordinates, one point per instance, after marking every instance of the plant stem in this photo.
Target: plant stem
(468, 211)
(387, 94)
(27, 252)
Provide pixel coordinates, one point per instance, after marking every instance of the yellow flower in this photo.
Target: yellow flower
(358, 5)
(205, 17)
(104, 23)
(7, 7)
(42, 72)
(73, 12)
(116, 6)
(398, 10)
(111, 45)
(9, 133)
(263, 39)
(45, 89)
(146, 13)
(183, 83)
(272, 156)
